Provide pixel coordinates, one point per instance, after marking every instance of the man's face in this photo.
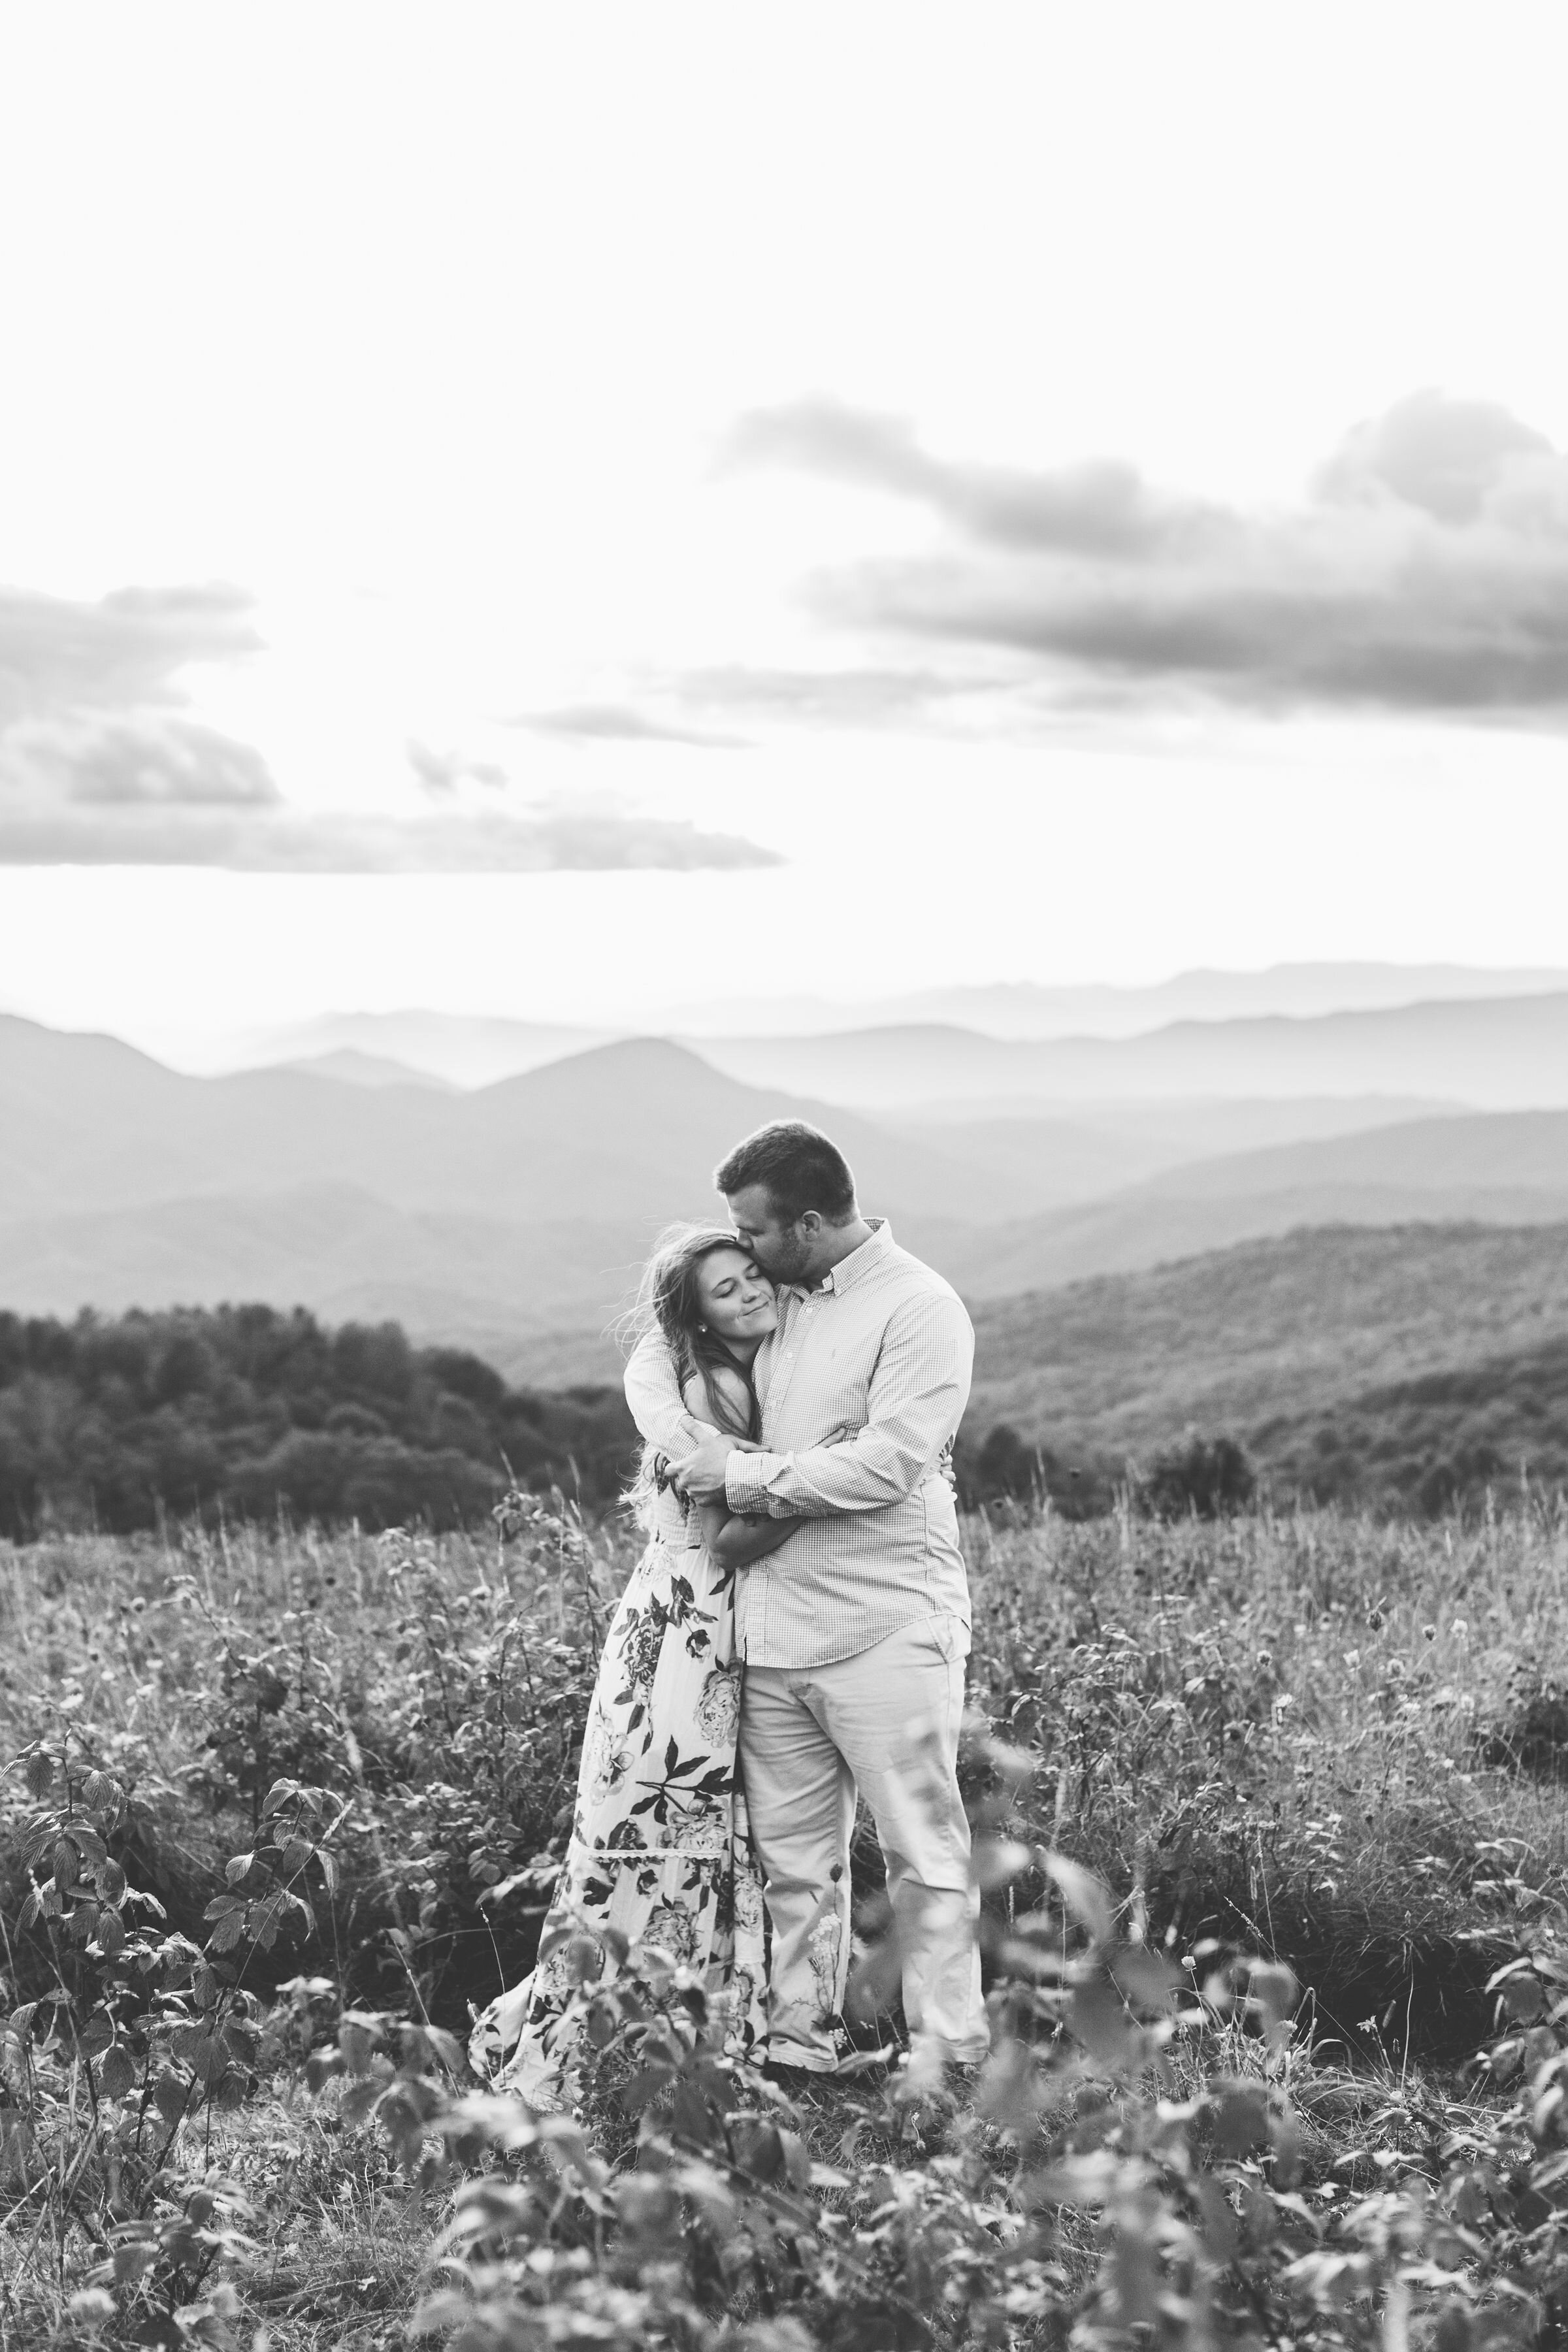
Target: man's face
(783, 1250)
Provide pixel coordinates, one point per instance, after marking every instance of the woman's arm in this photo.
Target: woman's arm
(735, 1542)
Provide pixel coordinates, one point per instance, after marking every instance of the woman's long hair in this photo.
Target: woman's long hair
(667, 1302)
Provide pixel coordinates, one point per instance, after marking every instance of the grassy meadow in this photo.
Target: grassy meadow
(233, 2097)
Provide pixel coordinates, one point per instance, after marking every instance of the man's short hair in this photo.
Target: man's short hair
(799, 1168)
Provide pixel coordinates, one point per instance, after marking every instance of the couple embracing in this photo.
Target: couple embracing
(794, 1635)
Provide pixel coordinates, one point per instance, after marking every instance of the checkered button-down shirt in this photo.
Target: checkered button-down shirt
(862, 1390)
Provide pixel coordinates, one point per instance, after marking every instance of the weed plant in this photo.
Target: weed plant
(284, 1806)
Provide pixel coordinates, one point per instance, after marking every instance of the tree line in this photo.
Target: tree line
(116, 1421)
(248, 1411)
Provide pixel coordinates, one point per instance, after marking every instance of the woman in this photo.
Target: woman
(659, 1847)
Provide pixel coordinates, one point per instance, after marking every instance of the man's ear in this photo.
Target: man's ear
(810, 1224)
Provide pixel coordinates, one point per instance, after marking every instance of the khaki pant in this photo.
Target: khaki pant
(885, 1722)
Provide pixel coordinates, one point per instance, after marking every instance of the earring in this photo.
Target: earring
(702, 1327)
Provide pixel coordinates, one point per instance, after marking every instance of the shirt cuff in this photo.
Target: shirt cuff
(746, 1483)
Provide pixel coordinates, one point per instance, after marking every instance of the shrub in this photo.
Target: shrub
(1208, 1475)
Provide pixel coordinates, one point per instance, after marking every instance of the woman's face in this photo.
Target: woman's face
(733, 1299)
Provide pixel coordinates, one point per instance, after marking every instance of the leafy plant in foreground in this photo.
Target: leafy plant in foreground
(141, 2038)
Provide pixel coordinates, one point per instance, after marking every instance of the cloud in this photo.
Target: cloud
(135, 762)
(443, 773)
(125, 650)
(853, 698)
(284, 841)
(619, 722)
(718, 701)
(1451, 458)
(1425, 573)
(1101, 508)
(102, 765)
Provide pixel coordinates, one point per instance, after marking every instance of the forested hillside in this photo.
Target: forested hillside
(1411, 1369)
(250, 1412)
(1429, 1442)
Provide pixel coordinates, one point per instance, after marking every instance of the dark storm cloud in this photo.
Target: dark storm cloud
(1427, 572)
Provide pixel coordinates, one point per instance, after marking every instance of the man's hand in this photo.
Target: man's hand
(701, 1477)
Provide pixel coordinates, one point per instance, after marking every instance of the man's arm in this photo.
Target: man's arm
(915, 1402)
(658, 1407)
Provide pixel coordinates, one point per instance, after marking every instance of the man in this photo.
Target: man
(856, 1630)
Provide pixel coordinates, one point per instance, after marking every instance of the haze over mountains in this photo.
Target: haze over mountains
(1023, 1009)
(512, 1216)
(476, 1050)
(1508, 1053)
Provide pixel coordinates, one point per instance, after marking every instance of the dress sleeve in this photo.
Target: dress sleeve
(653, 1393)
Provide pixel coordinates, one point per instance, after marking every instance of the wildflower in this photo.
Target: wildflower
(1353, 1657)
(1459, 1627)
(1428, 1633)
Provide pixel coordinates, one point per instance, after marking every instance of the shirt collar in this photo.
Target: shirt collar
(849, 1270)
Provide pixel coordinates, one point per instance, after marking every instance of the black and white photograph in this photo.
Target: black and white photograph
(783, 1177)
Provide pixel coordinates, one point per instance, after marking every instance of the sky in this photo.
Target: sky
(566, 512)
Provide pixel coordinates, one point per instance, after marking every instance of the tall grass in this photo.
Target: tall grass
(1313, 1739)
(1318, 1734)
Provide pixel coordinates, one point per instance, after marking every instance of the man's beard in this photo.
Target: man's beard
(786, 1259)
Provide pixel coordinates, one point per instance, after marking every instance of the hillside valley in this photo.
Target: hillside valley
(514, 1218)
(1316, 1349)
(1282, 1267)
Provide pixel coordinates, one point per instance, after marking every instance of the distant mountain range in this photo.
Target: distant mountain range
(463, 1049)
(1023, 1009)
(626, 1132)
(1509, 1169)
(1502, 1053)
(1369, 1288)
(514, 1218)
(359, 1070)
(515, 1215)
(472, 1050)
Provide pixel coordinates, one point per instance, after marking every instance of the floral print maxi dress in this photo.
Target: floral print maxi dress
(660, 1847)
